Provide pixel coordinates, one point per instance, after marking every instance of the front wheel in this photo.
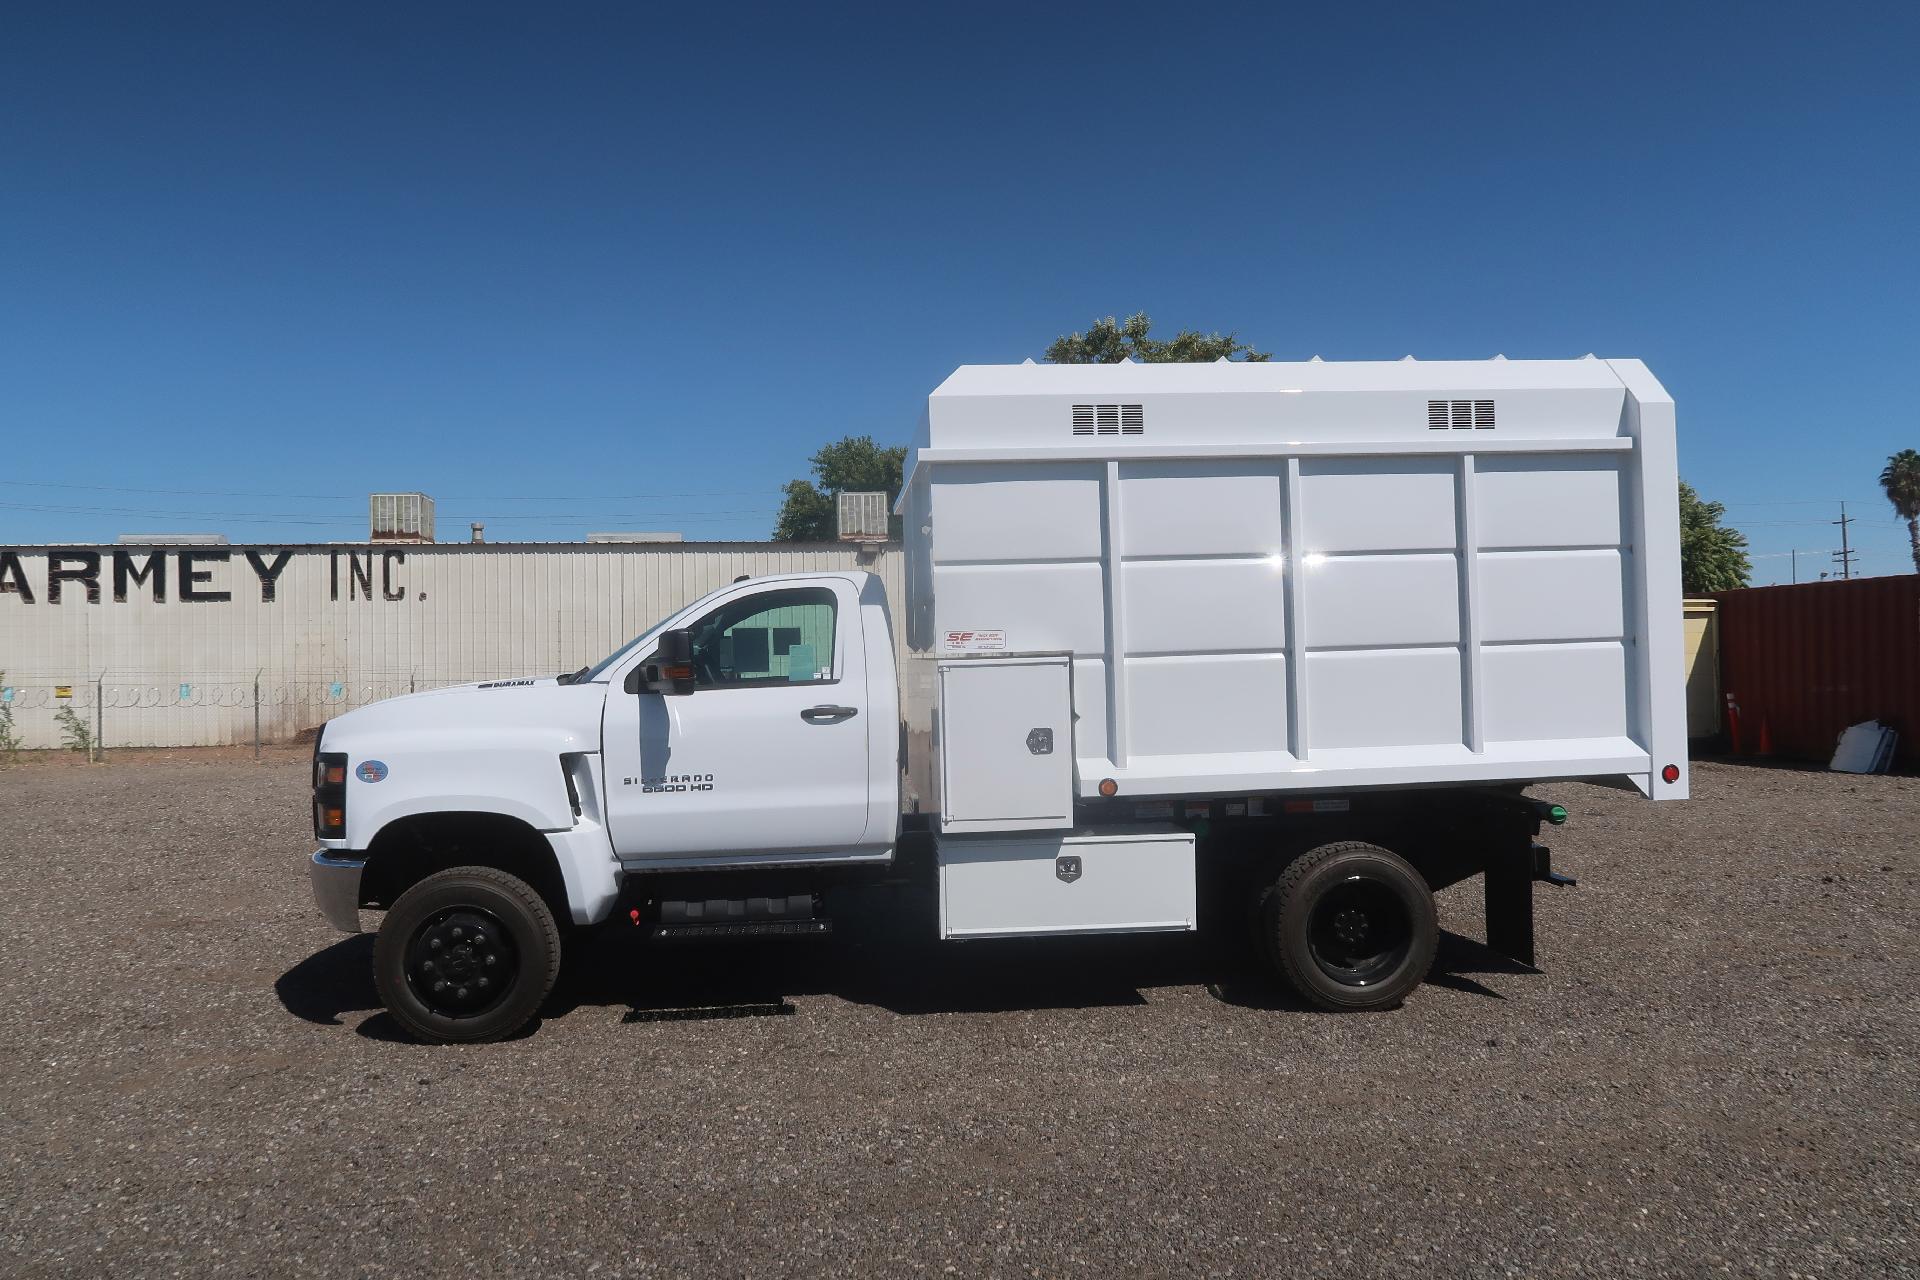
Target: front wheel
(466, 955)
(1351, 926)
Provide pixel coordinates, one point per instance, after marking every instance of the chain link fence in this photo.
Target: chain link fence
(201, 709)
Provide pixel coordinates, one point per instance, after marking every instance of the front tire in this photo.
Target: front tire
(466, 955)
(1351, 926)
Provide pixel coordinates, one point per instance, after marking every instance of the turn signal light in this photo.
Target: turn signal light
(678, 673)
(1671, 773)
(329, 821)
(330, 795)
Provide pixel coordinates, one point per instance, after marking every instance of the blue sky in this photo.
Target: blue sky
(578, 267)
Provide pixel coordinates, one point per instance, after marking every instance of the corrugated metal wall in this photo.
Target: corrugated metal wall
(1801, 663)
(346, 625)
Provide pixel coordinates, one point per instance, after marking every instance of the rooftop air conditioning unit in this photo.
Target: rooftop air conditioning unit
(401, 517)
(863, 517)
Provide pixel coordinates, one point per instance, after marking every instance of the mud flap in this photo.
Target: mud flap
(1509, 890)
(1509, 881)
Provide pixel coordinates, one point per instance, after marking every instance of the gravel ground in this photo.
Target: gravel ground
(1714, 1072)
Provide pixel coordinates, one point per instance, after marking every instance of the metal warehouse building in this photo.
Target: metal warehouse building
(185, 644)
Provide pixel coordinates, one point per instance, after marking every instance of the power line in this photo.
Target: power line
(362, 497)
(317, 518)
(1789, 502)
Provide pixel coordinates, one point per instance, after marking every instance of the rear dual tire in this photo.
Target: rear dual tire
(1351, 926)
(466, 955)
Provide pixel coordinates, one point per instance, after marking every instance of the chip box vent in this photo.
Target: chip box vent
(1109, 419)
(1460, 415)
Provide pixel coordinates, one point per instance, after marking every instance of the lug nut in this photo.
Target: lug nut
(427, 965)
(434, 944)
(440, 985)
(493, 959)
(460, 993)
(457, 931)
(484, 983)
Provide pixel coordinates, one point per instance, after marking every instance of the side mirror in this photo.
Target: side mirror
(669, 670)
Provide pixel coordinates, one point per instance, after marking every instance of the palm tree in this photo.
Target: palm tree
(1901, 480)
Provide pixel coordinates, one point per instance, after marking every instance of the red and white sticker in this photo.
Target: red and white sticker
(976, 640)
(1318, 806)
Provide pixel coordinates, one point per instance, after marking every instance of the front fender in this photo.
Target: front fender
(518, 778)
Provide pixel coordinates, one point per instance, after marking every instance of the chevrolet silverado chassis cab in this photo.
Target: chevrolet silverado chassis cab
(1303, 633)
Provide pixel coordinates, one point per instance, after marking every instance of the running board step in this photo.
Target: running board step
(781, 915)
(741, 929)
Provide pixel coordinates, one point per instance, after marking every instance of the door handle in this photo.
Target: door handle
(828, 714)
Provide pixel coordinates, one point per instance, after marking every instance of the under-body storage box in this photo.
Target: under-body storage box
(1138, 880)
(1006, 743)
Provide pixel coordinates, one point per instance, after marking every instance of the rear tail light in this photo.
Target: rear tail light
(330, 795)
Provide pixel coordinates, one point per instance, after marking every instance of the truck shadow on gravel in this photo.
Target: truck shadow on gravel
(612, 967)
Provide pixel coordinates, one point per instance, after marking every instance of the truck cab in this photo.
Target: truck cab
(772, 740)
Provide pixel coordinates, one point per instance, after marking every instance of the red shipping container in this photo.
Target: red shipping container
(1801, 663)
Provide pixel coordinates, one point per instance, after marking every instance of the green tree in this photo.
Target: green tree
(810, 512)
(1712, 557)
(1110, 341)
(1901, 480)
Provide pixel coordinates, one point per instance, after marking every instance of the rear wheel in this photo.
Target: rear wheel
(465, 955)
(1351, 926)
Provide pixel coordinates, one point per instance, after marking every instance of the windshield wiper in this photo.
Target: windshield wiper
(571, 676)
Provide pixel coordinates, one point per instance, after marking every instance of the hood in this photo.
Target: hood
(472, 713)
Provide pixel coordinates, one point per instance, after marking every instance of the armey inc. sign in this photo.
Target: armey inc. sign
(197, 575)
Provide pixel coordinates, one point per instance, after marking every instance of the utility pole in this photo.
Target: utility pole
(1795, 553)
(1845, 554)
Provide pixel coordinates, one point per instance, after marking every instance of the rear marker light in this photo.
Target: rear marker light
(1671, 773)
(1109, 788)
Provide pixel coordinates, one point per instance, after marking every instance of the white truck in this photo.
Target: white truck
(1303, 630)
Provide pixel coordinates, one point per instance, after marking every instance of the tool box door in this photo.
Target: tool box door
(1006, 744)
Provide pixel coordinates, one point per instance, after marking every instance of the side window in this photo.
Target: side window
(768, 638)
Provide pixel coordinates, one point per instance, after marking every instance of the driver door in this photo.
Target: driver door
(768, 755)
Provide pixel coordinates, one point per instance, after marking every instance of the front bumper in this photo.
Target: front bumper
(336, 887)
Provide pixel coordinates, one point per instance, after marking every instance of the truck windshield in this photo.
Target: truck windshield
(599, 668)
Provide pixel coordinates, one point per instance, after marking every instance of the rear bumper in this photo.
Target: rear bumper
(336, 887)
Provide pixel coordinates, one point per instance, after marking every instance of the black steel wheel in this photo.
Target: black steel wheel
(461, 962)
(466, 955)
(1351, 926)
